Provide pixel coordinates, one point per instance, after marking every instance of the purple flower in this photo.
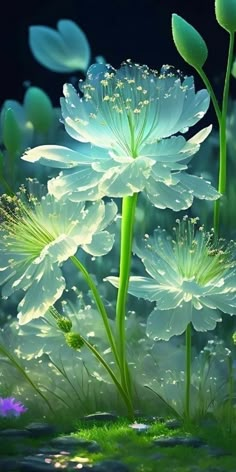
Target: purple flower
(10, 407)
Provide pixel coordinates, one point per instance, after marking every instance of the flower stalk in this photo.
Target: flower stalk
(188, 347)
(99, 304)
(127, 226)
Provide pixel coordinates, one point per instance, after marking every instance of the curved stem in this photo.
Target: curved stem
(25, 375)
(188, 372)
(100, 306)
(127, 224)
(211, 93)
(112, 375)
(223, 140)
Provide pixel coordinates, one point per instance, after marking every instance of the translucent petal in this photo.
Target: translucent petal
(205, 319)
(47, 287)
(165, 324)
(164, 196)
(64, 51)
(59, 250)
(201, 188)
(142, 287)
(57, 156)
(225, 302)
(77, 45)
(79, 184)
(126, 179)
(101, 244)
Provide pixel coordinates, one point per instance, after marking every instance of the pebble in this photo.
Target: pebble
(70, 443)
(173, 424)
(100, 417)
(40, 429)
(178, 441)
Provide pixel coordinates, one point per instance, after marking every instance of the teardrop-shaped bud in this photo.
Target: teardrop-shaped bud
(38, 108)
(189, 43)
(11, 132)
(226, 14)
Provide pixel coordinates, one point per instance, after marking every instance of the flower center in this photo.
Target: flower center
(127, 101)
(198, 257)
(23, 226)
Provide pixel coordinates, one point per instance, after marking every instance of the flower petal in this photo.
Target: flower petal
(165, 324)
(43, 293)
(64, 51)
(57, 156)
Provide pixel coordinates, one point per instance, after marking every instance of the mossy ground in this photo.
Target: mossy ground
(119, 442)
(137, 450)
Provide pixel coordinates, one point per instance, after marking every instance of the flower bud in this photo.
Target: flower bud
(189, 43)
(74, 340)
(225, 11)
(11, 132)
(38, 109)
(64, 324)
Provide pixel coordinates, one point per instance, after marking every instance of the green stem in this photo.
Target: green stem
(211, 93)
(22, 371)
(112, 375)
(127, 225)
(223, 140)
(231, 391)
(100, 306)
(188, 372)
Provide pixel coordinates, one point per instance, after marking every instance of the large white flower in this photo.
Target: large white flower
(36, 237)
(131, 118)
(192, 280)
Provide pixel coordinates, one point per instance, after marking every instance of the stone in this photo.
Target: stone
(101, 417)
(40, 429)
(178, 441)
(39, 463)
(110, 466)
(70, 443)
(13, 433)
(173, 424)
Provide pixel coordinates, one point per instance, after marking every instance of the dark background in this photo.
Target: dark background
(116, 29)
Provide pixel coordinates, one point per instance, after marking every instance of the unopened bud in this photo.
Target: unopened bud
(74, 340)
(189, 43)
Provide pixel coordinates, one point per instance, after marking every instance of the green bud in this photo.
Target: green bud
(11, 132)
(234, 338)
(226, 14)
(233, 70)
(38, 109)
(189, 43)
(64, 324)
(74, 340)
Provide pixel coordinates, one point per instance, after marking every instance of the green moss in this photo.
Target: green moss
(119, 442)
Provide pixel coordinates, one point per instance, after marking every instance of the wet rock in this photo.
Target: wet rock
(39, 463)
(190, 441)
(40, 429)
(110, 466)
(173, 424)
(70, 443)
(13, 433)
(101, 417)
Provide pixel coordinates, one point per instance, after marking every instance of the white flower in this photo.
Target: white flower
(192, 279)
(130, 116)
(36, 237)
